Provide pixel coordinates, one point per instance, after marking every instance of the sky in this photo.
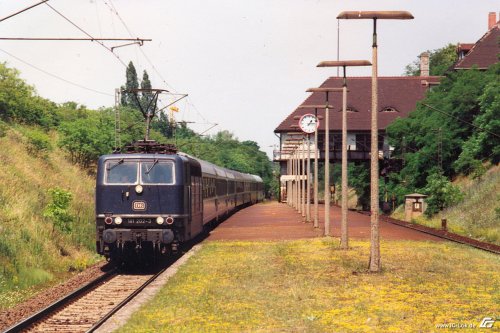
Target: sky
(244, 64)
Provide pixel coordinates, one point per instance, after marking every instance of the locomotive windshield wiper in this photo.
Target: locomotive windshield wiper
(152, 166)
(119, 162)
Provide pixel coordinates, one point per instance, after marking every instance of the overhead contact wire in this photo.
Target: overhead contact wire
(86, 33)
(55, 76)
(112, 7)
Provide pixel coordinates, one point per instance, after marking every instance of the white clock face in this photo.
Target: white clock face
(308, 123)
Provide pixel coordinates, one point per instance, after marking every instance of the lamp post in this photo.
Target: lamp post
(308, 173)
(296, 170)
(289, 146)
(344, 236)
(299, 170)
(327, 152)
(303, 178)
(374, 264)
(316, 157)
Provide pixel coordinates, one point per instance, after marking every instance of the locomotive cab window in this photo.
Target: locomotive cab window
(157, 172)
(121, 172)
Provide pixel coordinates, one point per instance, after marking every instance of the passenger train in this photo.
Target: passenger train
(150, 199)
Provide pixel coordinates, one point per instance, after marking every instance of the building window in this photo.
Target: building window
(349, 109)
(389, 109)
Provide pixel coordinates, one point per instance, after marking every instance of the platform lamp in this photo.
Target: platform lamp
(291, 173)
(287, 151)
(305, 121)
(295, 186)
(308, 123)
(316, 157)
(374, 264)
(298, 186)
(344, 236)
(327, 91)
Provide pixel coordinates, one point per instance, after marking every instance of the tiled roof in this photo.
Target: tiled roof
(484, 53)
(398, 93)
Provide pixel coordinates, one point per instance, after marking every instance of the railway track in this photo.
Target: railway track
(88, 307)
(445, 235)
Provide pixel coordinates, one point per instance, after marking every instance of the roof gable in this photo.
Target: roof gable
(484, 53)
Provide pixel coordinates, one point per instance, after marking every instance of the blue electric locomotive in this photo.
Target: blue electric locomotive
(152, 199)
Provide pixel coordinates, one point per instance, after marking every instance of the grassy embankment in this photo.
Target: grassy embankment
(478, 216)
(33, 252)
(312, 286)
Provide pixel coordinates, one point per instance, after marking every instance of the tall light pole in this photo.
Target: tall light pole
(308, 172)
(316, 157)
(294, 144)
(327, 107)
(374, 263)
(344, 236)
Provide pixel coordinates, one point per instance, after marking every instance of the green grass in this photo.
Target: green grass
(33, 253)
(312, 286)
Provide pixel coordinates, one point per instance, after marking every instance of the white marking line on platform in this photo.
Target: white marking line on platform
(123, 315)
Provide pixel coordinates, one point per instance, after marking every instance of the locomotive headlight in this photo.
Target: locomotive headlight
(108, 220)
(118, 220)
(138, 189)
(159, 220)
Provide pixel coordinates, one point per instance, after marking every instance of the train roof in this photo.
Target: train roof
(214, 170)
(140, 156)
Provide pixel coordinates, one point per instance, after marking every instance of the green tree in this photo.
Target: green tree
(163, 125)
(484, 143)
(132, 82)
(18, 102)
(146, 97)
(440, 60)
(428, 136)
(86, 139)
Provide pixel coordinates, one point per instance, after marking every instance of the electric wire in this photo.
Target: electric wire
(22, 10)
(54, 76)
(113, 9)
(86, 33)
(463, 121)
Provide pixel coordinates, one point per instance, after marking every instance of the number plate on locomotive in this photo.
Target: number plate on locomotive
(139, 221)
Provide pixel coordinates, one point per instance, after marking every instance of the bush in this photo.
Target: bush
(442, 193)
(38, 142)
(3, 129)
(86, 139)
(57, 210)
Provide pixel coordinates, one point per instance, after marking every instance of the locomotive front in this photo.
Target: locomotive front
(140, 204)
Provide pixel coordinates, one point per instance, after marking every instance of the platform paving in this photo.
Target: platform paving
(278, 221)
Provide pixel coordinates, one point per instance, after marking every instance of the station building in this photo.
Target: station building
(397, 97)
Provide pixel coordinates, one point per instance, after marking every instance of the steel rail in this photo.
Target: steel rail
(124, 302)
(26, 323)
(444, 234)
(450, 236)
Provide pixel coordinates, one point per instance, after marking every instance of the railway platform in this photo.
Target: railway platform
(278, 221)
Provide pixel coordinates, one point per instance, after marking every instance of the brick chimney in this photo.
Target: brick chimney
(424, 64)
(492, 20)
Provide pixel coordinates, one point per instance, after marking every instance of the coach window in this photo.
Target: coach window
(157, 173)
(120, 172)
